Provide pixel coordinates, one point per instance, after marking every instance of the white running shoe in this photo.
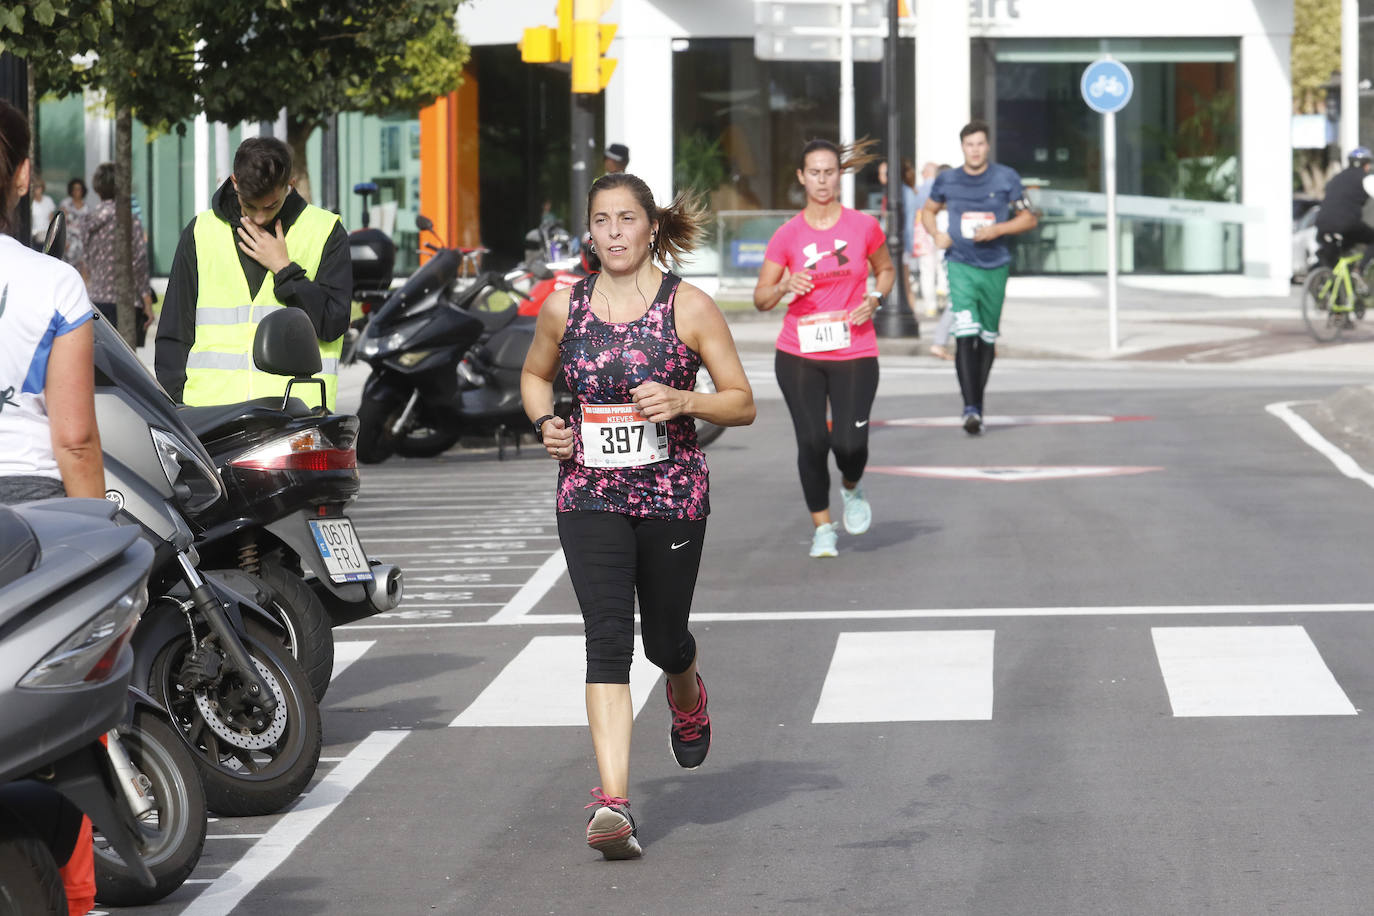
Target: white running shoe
(823, 541)
(858, 514)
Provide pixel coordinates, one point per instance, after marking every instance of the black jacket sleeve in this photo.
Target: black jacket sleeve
(328, 299)
(176, 325)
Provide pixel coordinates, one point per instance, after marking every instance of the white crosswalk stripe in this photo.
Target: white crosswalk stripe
(921, 676)
(1247, 671)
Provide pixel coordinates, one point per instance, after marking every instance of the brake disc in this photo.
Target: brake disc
(247, 738)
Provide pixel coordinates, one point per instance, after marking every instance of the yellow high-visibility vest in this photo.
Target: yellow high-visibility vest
(219, 369)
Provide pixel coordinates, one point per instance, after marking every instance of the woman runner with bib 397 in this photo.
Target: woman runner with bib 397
(827, 349)
(632, 482)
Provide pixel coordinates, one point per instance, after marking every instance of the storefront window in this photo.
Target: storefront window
(1177, 139)
(740, 124)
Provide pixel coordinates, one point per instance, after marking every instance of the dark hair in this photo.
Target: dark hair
(908, 172)
(850, 158)
(76, 183)
(104, 180)
(14, 149)
(975, 126)
(262, 165)
(680, 224)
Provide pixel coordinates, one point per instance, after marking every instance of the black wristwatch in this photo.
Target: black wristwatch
(539, 425)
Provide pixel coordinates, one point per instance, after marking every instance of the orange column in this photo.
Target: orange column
(449, 165)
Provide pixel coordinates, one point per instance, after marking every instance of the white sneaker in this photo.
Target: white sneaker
(823, 541)
(858, 514)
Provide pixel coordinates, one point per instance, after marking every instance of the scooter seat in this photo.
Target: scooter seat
(220, 420)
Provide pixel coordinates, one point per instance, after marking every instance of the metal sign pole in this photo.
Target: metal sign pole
(1109, 163)
(846, 96)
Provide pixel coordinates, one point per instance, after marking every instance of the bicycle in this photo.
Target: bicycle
(1333, 298)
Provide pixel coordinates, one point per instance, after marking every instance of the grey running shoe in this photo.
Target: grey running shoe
(823, 541)
(611, 830)
(973, 421)
(858, 514)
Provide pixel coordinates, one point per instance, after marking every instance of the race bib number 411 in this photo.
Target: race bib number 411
(823, 331)
(619, 436)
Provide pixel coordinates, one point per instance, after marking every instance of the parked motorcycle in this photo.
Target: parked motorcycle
(72, 586)
(431, 383)
(289, 472)
(208, 654)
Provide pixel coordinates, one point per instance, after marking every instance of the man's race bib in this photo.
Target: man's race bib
(618, 436)
(823, 331)
(970, 223)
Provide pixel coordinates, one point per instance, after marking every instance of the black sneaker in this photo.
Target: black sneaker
(973, 421)
(611, 830)
(690, 734)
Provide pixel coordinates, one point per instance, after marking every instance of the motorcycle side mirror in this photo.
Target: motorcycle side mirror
(285, 344)
(55, 242)
(424, 223)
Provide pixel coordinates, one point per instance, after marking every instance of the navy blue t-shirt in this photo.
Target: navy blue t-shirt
(973, 201)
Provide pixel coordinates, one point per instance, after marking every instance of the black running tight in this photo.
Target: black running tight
(850, 386)
(973, 364)
(610, 558)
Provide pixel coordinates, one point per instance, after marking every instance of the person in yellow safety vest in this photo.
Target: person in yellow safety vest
(218, 289)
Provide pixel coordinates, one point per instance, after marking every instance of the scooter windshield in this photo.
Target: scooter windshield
(437, 273)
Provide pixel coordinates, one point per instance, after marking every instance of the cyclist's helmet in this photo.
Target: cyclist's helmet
(1360, 155)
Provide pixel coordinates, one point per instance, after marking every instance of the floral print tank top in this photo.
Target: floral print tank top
(601, 362)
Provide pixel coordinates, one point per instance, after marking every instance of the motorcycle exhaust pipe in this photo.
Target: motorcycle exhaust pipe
(386, 588)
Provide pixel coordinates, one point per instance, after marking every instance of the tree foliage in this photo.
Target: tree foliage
(1316, 51)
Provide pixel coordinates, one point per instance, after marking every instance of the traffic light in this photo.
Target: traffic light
(565, 30)
(591, 39)
(542, 44)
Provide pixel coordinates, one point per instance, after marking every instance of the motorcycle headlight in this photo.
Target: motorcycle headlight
(90, 653)
(195, 485)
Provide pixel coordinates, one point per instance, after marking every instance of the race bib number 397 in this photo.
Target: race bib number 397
(619, 436)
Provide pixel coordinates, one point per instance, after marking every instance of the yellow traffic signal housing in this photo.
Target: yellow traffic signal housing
(565, 30)
(539, 45)
(591, 70)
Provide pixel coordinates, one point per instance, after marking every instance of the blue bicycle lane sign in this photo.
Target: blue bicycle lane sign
(1107, 85)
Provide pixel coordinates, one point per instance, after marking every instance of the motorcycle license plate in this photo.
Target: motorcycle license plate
(341, 550)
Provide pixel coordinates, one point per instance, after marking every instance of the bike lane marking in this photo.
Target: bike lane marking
(1009, 473)
(533, 590)
(1307, 433)
(281, 839)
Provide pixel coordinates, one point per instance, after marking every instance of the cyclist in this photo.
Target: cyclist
(1342, 209)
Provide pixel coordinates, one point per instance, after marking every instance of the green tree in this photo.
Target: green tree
(1316, 57)
(139, 54)
(314, 60)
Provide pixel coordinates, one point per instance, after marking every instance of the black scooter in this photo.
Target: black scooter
(289, 472)
(446, 358)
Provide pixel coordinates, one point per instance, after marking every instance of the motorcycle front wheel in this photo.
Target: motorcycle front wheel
(375, 443)
(173, 831)
(250, 762)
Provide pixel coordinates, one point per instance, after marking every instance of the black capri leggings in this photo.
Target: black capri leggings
(610, 557)
(850, 385)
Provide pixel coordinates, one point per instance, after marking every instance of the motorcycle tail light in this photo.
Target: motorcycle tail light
(89, 654)
(305, 451)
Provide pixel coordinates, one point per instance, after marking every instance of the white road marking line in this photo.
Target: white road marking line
(1247, 671)
(348, 652)
(234, 836)
(928, 676)
(1343, 462)
(532, 591)
(309, 811)
(926, 614)
(544, 686)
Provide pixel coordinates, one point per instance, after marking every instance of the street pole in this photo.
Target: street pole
(1109, 163)
(583, 146)
(896, 318)
(847, 95)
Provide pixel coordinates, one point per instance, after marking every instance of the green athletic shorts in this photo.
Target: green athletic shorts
(975, 296)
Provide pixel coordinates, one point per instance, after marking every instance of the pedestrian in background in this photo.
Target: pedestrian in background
(632, 481)
(100, 255)
(986, 203)
(42, 207)
(616, 158)
(75, 207)
(827, 351)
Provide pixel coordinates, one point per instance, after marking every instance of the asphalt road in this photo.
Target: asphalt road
(1111, 657)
